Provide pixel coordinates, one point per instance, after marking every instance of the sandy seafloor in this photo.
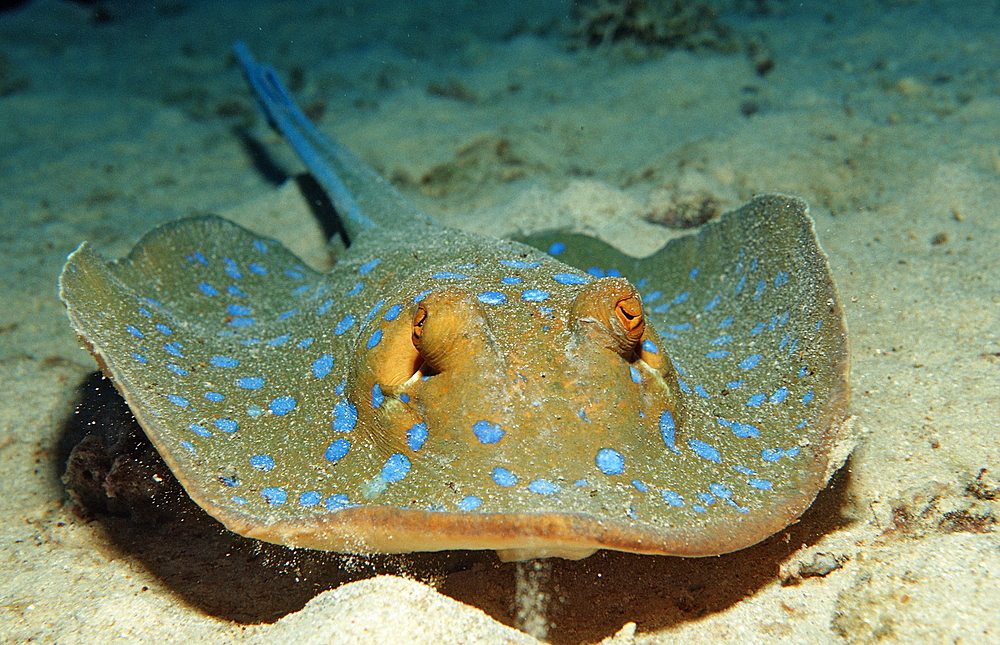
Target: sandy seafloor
(884, 115)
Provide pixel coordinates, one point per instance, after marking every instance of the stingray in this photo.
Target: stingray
(438, 389)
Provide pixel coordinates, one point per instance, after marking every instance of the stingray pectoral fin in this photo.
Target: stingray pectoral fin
(748, 314)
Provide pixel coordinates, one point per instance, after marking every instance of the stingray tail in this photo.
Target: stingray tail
(363, 198)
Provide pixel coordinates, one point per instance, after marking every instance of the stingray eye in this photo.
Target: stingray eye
(630, 316)
(609, 311)
(419, 318)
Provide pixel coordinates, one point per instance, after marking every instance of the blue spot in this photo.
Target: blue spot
(705, 451)
(653, 296)
(759, 327)
(337, 502)
(756, 400)
(808, 396)
(802, 371)
(672, 498)
(420, 296)
(233, 290)
(263, 463)
(717, 353)
(322, 310)
(174, 349)
(650, 346)
(469, 503)
(345, 416)
(374, 339)
(200, 258)
(231, 269)
(274, 495)
(306, 342)
(750, 362)
(760, 484)
(337, 450)
(254, 411)
(223, 361)
(779, 395)
(511, 279)
(580, 483)
(309, 498)
(698, 508)
(781, 278)
(596, 272)
(705, 497)
(639, 486)
(298, 275)
(557, 248)
(735, 385)
(374, 310)
(760, 290)
(322, 366)
(610, 461)
(249, 342)
(720, 491)
(282, 405)
(636, 376)
(569, 278)
(493, 297)
(144, 312)
(368, 266)
(543, 487)
(445, 275)
(661, 309)
(693, 273)
(199, 430)
(179, 401)
(614, 273)
(238, 310)
(503, 477)
(343, 325)
(739, 285)
(377, 397)
(668, 430)
(392, 312)
(259, 269)
(487, 432)
(395, 468)
(250, 382)
(725, 322)
(278, 341)
(227, 425)
(215, 397)
(208, 289)
(300, 290)
(134, 331)
(416, 436)
(520, 264)
(232, 482)
(339, 388)
(681, 297)
(534, 295)
(356, 289)
(241, 322)
(404, 397)
(713, 303)
(680, 327)
(176, 369)
(188, 446)
(720, 340)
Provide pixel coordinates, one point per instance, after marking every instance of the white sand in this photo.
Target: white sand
(884, 117)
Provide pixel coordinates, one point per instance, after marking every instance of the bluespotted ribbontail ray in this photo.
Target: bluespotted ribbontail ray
(442, 390)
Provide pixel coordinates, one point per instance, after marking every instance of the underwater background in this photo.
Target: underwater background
(630, 120)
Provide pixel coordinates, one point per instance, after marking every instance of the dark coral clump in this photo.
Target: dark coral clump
(672, 24)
